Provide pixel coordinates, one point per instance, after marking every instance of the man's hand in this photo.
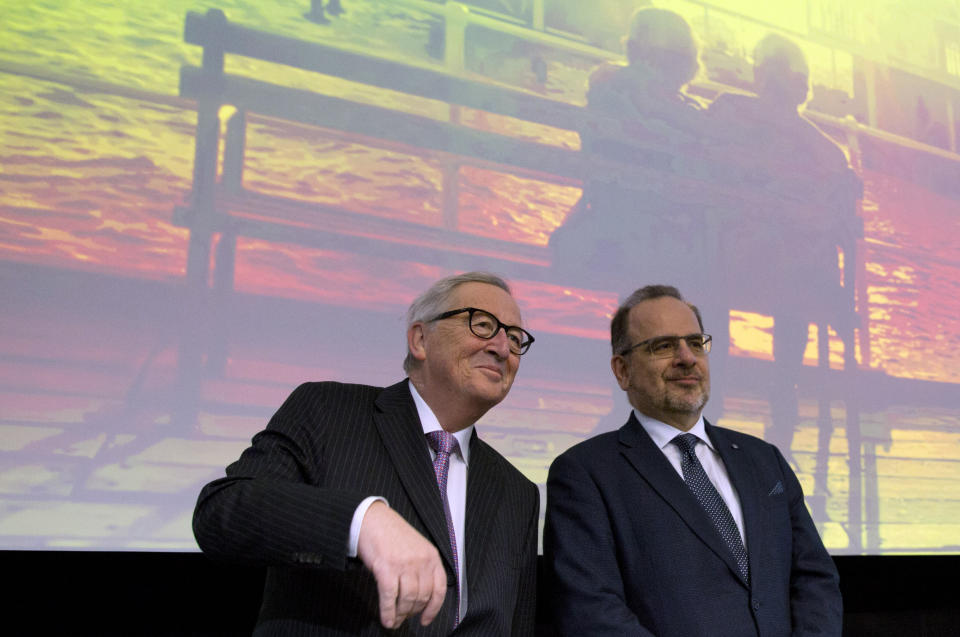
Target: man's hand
(409, 573)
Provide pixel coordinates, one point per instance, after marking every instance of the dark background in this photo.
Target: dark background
(153, 594)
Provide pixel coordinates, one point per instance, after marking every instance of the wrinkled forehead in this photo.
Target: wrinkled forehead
(490, 298)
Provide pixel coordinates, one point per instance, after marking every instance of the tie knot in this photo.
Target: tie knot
(686, 442)
(442, 442)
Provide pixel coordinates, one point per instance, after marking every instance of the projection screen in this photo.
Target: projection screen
(183, 243)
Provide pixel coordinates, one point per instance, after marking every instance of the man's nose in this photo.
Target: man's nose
(499, 343)
(685, 355)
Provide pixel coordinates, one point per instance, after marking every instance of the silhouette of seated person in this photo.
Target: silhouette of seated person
(646, 96)
(927, 129)
(639, 116)
(779, 245)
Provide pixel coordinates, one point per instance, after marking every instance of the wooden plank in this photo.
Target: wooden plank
(652, 173)
(273, 218)
(405, 77)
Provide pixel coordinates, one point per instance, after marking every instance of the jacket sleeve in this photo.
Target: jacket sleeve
(270, 508)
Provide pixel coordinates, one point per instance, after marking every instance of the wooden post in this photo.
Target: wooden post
(455, 34)
(234, 149)
(200, 222)
(206, 152)
(315, 14)
(220, 308)
(538, 21)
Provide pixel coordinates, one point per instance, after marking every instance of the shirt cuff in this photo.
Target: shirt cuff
(358, 520)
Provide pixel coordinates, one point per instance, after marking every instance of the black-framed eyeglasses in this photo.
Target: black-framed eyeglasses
(669, 346)
(485, 325)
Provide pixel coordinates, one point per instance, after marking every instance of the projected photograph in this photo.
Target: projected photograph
(205, 203)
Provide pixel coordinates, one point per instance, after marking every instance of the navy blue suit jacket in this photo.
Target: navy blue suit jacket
(630, 551)
(288, 501)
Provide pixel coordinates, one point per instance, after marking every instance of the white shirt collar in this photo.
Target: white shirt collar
(662, 433)
(429, 422)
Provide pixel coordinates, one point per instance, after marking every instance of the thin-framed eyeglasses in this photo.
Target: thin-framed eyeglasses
(485, 325)
(669, 346)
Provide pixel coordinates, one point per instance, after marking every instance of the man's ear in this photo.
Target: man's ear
(619, 367)
(416, 336)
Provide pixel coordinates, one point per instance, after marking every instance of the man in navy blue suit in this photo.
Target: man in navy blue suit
(671, 526)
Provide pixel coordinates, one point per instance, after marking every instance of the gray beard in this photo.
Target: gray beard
(684, 405)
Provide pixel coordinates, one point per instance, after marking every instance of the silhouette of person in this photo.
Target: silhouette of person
(640, 117)
(647, 94)
(927, 129)
(789, 263)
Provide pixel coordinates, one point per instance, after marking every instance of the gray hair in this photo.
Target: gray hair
(654, 30)
(434, 301)
(619, 339)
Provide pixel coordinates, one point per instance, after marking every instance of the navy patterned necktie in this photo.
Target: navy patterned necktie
(443, 444)
(696, 478)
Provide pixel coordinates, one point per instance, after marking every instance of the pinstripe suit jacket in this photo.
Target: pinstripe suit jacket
(288, 501)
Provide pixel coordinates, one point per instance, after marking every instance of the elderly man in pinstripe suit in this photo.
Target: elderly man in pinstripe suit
(379, 509)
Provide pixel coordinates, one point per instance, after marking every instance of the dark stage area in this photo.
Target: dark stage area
(153, 594)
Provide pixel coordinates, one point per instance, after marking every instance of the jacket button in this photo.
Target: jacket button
(756, 605)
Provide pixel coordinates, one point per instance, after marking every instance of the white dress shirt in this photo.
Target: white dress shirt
(456, 485)
(662, 435)
(456, 491)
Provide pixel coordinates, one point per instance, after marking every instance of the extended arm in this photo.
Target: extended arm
(273, 508)
(587, 587)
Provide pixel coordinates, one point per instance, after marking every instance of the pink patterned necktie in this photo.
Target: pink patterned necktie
(443, 444)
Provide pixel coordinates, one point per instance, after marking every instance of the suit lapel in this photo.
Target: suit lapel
(399, 426)
(640, 450)
(743, 477)
(484, 496)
